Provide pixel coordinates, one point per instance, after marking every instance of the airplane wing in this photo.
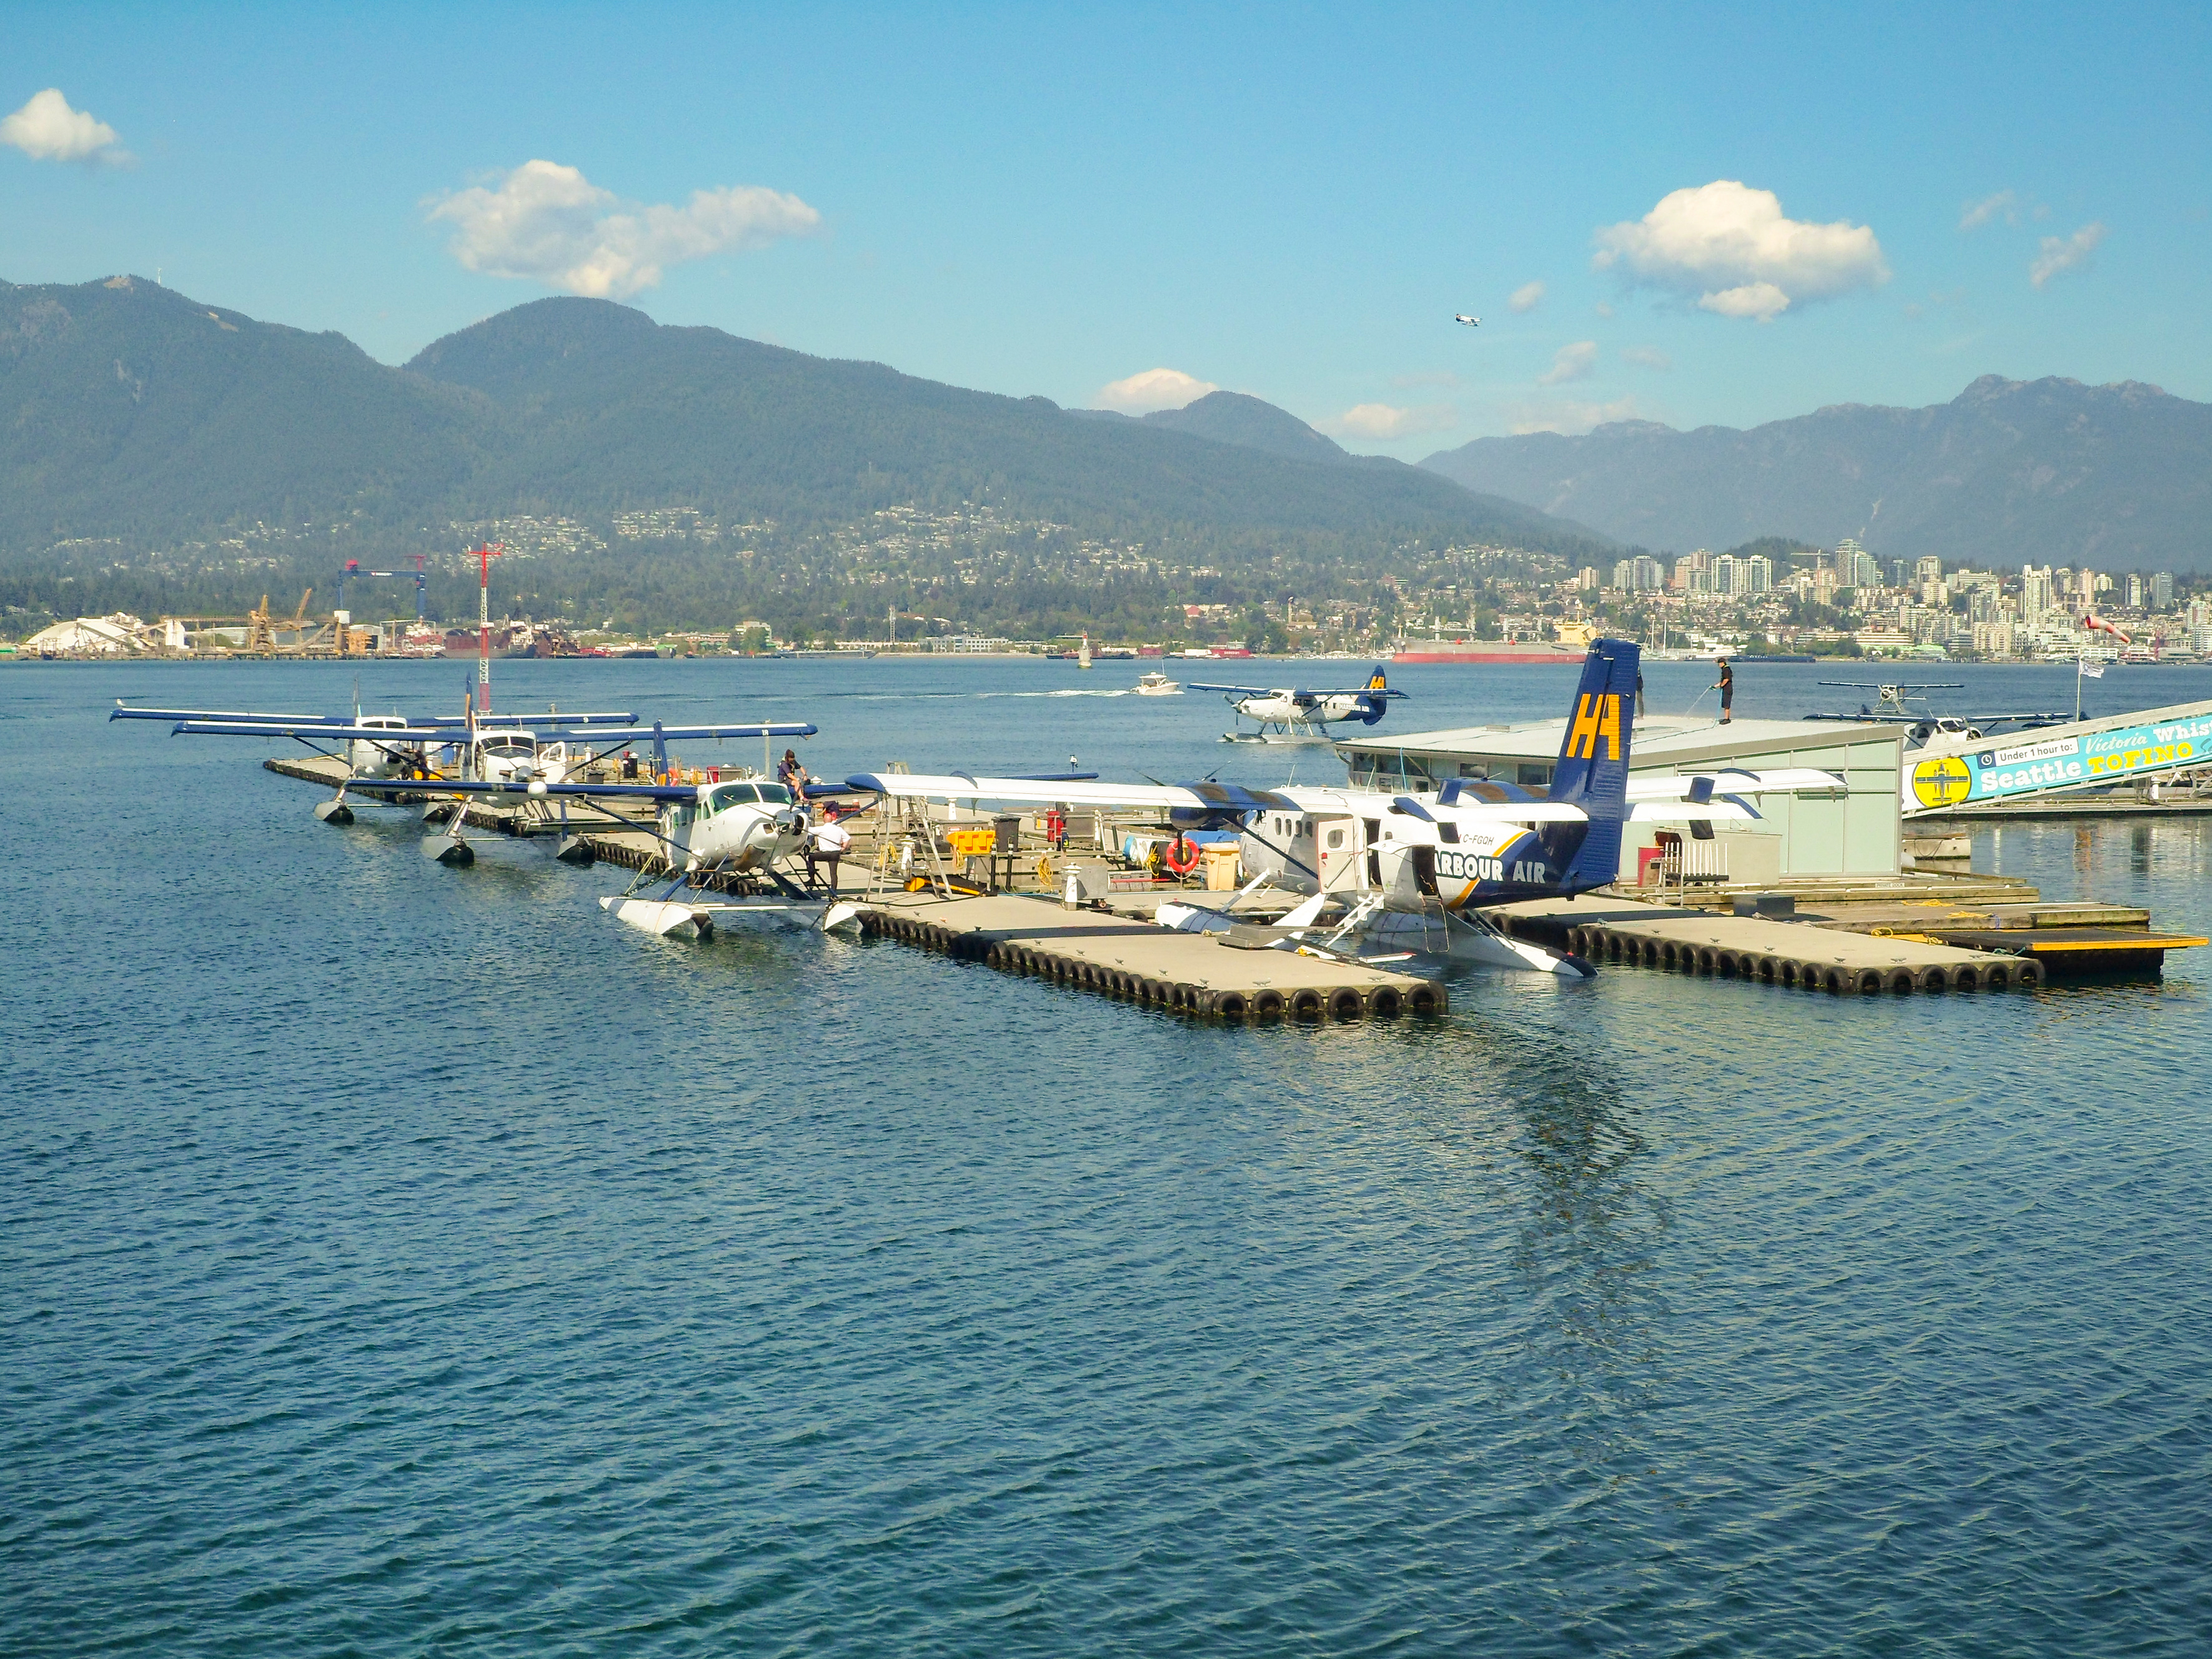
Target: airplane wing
(1719, 810)
(320, 731)
(1202, 797)
(469, 787)
(324, 730)
(1733, 780)
(123, 712)
(1240, 690)
(1489, 813)
(1340, 692)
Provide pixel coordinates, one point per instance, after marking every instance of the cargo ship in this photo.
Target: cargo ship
(1524, 653)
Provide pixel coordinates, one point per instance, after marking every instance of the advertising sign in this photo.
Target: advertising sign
(2031, 765)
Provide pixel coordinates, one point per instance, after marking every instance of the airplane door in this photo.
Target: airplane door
(1374, 859)
(1338, 845)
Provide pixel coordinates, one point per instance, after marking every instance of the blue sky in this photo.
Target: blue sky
(1292, 204)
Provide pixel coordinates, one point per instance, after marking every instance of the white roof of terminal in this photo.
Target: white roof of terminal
(1670, 737)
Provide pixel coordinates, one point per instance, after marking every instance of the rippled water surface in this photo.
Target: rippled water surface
(401, 1260)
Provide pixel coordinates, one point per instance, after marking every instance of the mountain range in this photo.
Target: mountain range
(2048, 472)
(130, 412)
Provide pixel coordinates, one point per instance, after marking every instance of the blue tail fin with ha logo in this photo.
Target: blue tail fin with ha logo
(1592, 772)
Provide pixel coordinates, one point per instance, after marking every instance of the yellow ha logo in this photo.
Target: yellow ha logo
(1941, 782)
(1595, 718)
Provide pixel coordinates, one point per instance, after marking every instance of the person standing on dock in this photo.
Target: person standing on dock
(1726, 686)
(829, 841)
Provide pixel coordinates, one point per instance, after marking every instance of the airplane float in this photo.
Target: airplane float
(1414, 868)
(1305, 714)
(737, 830)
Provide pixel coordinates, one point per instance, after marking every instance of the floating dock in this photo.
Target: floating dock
(1204, 975)
(1795, 955)
(1850, 937)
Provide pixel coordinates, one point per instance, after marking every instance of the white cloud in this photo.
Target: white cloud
(1526, 297)
(2004, 204)
(1604, 309)
(1647, 357)
(1383, 421)
(550, 224)
(2062, 253)
(1570, 363)
(1154, 388)
(1732, 246)
(1565, 416)
(48, 129)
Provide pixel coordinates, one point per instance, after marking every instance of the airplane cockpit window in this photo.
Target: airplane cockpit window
(732, 795)
(775, 794)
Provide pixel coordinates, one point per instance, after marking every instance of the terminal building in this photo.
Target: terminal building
(1851, 831)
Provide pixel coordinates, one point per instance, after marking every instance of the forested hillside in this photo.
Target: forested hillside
(2047, 472)
(170, 455)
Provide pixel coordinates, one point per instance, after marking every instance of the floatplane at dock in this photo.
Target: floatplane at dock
(731, 834)
(1413, 870)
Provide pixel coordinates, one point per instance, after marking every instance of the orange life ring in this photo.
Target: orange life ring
(1180, 856)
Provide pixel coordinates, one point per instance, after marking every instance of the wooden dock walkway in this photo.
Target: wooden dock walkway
(1192, 974)
(1798, 955)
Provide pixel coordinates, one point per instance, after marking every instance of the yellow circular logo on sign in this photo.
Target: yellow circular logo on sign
(1941, 783)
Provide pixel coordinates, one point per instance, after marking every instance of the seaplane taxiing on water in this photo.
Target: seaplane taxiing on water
(731, 834)
(1412, 871)
(1303, 714)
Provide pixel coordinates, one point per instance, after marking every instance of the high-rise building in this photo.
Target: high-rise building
(2161, 590)
(2037, 590)
(1650, 577)
(1720, 577)
(1866, 571)
(2134, 591)
(1928, 568)
(1759, 574)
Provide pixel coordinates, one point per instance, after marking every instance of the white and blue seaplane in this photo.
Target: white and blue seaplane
(723, 839)
(1410, 872)
(1299, 715)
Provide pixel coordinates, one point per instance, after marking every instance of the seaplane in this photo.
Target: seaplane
(1303, 716)
(397, 745)
(1893, 706)
(1410, 872)
(730, 834)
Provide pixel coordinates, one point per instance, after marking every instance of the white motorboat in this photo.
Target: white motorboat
(1157, 684)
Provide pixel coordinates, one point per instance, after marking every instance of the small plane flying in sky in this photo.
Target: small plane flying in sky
(1305, 714)
(1472, 322)
(1413, 868)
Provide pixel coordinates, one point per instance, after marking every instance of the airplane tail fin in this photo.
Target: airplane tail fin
(1592, 772)
(1372, 705)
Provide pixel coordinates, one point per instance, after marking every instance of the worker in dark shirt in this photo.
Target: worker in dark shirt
(1726, 685)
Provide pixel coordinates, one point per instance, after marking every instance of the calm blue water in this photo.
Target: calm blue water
(399, 1260)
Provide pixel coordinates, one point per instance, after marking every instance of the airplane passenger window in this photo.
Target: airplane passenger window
(1336, 838)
